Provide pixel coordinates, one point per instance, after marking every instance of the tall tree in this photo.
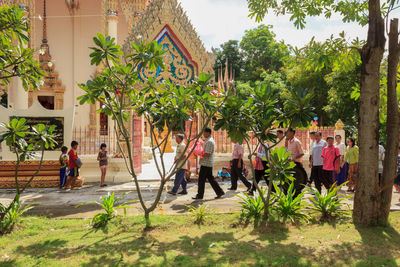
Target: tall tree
(261, 52)
(229, 51)
(392, 122)
(368, 198)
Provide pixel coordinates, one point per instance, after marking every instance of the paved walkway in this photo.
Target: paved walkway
(60, 204)
(53, 202)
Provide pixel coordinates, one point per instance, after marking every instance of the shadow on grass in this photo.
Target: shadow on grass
(209, 249)
(8, 263)
(379, 246)
(259, 247)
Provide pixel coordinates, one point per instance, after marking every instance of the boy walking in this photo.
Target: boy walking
(180, 162)
(63, 166)
(331, 155)
(206, 168)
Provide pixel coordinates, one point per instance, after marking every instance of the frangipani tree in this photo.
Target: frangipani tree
(26, 143)
(253, 117)
(16, 58)
(123, 91)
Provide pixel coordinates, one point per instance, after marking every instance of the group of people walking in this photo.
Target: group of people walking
(331, 161)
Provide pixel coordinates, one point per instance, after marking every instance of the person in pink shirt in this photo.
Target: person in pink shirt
(331, 155)
(293, 145)
(237, 168)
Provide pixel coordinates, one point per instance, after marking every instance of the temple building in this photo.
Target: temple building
(62, 32)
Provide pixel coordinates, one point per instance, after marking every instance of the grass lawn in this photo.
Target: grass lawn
(176, 241)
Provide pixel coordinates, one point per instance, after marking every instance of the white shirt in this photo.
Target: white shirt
(342, 148)
(317, 148)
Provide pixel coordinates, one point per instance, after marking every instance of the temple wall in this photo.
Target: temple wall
(123, 28)
(69, 45)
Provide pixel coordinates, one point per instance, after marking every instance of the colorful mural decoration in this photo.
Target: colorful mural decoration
(179, 68)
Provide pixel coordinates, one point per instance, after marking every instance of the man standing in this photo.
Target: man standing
(237, 168)
(317, 161)
(206, 168)
(312, 140)
(181, 165)
(293, 145)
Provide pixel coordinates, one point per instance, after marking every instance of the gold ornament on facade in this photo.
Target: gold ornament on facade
(339, 125)
(313, 127)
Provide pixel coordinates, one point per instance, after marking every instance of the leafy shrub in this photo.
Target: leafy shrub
(289, 206)
(11, 214)
(329, 204)
(200, 213)
(110, 204)
(252, 207)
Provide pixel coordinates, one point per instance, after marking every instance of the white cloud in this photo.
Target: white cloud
(218, 21)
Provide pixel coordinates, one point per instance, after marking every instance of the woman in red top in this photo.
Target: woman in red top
(331, 155)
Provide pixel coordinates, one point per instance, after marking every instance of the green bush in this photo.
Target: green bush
(11, 214)
(110, 204)
(329, 204)
(289, 207)
(200, 213)
(252, 207)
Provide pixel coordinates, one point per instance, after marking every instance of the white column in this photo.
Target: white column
(112, 22)
(112, 31)
(19, 98)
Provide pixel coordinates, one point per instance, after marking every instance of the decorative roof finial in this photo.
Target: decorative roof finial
(73, 6)
(44, 39)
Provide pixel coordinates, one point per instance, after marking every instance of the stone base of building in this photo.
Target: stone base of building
(49, 175)
(116, 171)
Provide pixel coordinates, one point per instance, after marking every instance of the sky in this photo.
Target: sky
(218, 21)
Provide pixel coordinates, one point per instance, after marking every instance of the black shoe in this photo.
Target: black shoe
(182, 193)
(230, 188)
(249, 188)
(172, 193)
(219, 196)
(197, 198)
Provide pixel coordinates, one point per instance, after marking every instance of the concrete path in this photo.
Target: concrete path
(55, 203)
(60, 204)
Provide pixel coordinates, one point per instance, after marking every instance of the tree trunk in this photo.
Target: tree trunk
(392, 124)
(366, 201)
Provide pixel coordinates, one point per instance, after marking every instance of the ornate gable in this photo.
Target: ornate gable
(167, 23)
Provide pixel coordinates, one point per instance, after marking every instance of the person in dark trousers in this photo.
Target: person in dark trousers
(63, 166)
(181, 163)
(237, 168)
(206, 168)
(317, 161)
(260, 168)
